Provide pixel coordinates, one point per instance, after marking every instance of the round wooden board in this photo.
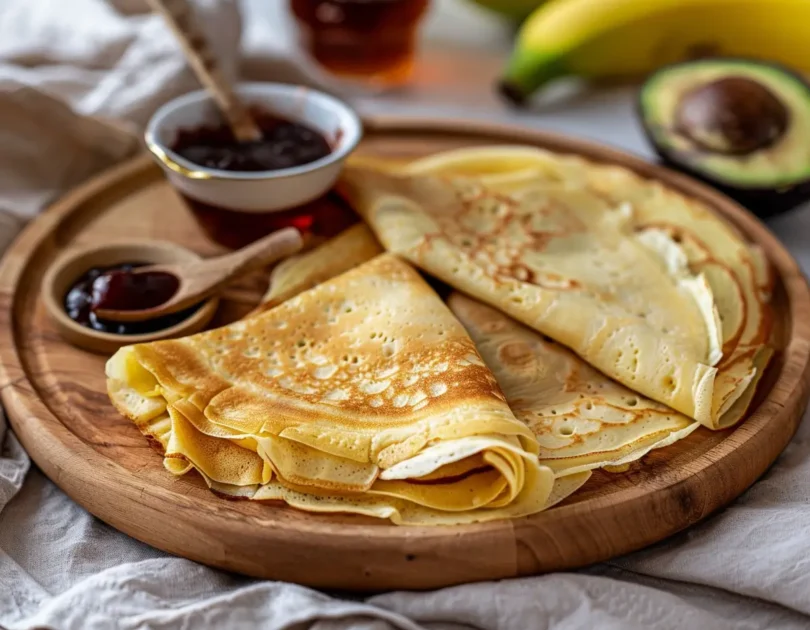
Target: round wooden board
(55, 397)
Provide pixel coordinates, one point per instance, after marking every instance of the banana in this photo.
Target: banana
(621, 38)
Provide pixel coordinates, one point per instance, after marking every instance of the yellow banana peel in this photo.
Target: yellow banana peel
(620, 38)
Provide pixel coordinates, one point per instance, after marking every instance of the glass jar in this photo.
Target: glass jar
(368, 42)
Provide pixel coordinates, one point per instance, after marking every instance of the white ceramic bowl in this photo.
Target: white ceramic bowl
(261, 191)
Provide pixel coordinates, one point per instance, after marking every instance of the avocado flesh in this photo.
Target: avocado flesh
(781, 165)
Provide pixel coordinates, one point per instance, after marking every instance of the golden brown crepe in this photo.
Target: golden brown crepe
(363, 394)
(737, 272)
(568, 261)
(582, 420)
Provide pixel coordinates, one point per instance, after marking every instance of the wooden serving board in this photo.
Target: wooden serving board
(55, 398)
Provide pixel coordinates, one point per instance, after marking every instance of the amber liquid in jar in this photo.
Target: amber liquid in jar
(317, 220)
(373, 41)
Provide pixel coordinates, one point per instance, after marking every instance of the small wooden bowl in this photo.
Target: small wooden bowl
(64, 272)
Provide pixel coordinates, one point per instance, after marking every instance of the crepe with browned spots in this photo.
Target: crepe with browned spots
(363, 394)
(594, 257)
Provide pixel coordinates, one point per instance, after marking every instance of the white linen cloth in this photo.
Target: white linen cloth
(67, 64)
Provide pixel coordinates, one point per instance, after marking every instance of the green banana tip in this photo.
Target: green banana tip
(525, 73)
(511, 91)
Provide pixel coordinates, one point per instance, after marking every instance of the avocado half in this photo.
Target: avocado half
(741, 125)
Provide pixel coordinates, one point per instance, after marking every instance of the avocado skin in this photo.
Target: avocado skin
(763, 202)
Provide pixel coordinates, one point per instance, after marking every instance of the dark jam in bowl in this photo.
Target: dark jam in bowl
(285, 144)
(115, 288)
(323, 218)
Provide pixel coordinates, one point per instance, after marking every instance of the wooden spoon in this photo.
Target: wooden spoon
(201, 279)
(180, 17)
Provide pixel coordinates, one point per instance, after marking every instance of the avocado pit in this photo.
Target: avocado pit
(732, 115)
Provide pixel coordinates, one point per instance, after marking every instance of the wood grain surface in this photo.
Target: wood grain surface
(56, 401)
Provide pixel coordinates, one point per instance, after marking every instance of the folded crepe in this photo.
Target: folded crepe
(738, 272)
(363, 394)
(604, 274)
(582, 420)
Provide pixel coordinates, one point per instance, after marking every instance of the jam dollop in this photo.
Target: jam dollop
(284, 144)
(117, 288)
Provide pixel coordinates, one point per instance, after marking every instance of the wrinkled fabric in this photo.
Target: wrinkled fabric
(73, 90)
(111, 61)
(109, 58)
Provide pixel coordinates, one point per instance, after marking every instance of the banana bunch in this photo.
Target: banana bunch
(621, 38)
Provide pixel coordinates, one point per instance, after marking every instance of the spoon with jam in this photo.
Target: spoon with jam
(141, 293)
(140, 290)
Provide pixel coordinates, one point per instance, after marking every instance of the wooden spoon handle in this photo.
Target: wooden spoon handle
(273, 247)
(179, 15)
(206, 277)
